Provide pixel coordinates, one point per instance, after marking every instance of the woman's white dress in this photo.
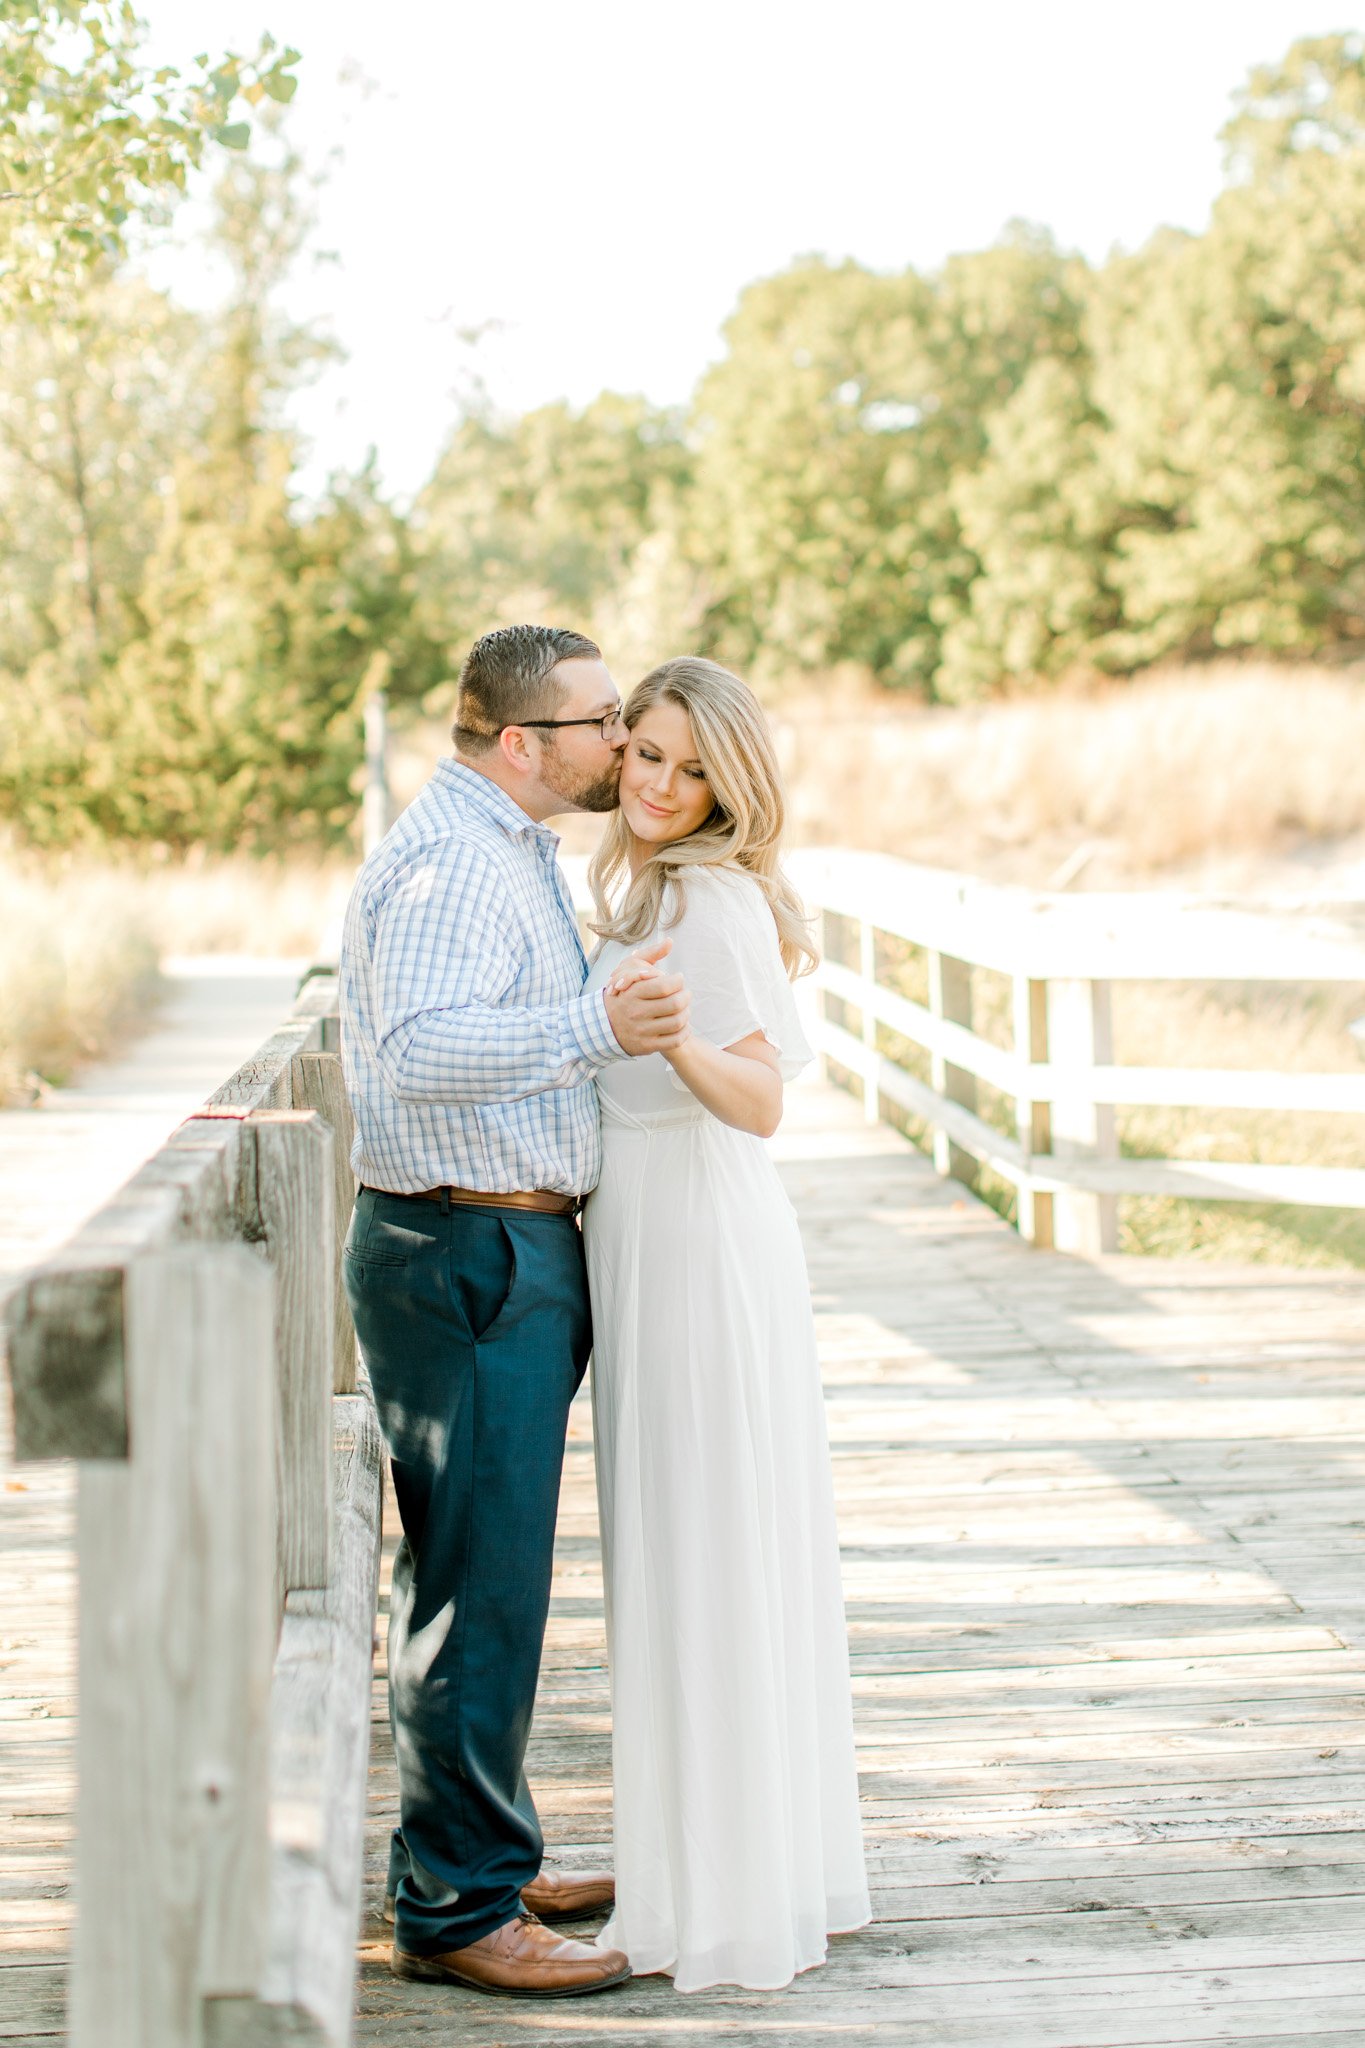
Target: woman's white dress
(737, 1840)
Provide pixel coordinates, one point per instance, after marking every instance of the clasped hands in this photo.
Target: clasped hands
(647, 1009)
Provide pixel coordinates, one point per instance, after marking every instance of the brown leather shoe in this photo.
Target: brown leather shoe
(521, 1960)
(569, 1895)
(556, 1895)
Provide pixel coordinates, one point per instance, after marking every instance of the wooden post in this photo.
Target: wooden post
(317, 1084)
(177, 1636)
(1033, 1119)
(867, 969)
(811, 991)
(287, 1198)
(950, 997)
(1080, 1035)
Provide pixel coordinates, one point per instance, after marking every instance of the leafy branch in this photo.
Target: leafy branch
(92, 137)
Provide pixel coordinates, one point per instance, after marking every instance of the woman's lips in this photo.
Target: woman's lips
(653, 809)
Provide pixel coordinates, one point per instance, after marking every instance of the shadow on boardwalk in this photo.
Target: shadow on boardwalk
(1102, 1533)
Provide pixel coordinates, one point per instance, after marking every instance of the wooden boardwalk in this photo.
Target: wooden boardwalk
(1103, 1530)
(1104, 1553)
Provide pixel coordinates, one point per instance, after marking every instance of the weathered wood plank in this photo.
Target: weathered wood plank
(320, 1729)
(66, 1364)
(177, 1638)
(317, 1084)
(32, 2002)
(64, 1324)
(318, 998)
(286, 1206)
(265, 1080)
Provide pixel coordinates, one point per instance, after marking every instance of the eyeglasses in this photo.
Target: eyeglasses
(606, 724)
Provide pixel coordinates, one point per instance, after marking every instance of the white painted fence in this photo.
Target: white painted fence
(192, 1348)
(1063, 954)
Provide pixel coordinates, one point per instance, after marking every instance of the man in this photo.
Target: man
(470, 1051)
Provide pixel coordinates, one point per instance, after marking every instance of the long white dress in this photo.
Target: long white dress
(737, 1840)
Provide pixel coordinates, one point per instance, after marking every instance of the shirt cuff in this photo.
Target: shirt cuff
(590, 1030)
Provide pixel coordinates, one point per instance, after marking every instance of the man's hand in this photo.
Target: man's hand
(647, 1010)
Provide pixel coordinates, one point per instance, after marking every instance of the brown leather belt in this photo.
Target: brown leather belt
(543, 1200)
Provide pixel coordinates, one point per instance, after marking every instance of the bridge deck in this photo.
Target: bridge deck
(1103, 1531)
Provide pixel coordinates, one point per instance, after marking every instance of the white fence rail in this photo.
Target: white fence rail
(1062, 955)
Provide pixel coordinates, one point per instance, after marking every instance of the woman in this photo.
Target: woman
(737, 1840)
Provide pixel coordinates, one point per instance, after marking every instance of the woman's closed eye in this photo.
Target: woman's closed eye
(648, 754)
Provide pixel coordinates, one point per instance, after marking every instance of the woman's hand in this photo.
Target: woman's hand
(637, 967)
(647, 1010)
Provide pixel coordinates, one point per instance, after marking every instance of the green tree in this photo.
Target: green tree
(1040, 521)
(226, 714)
(93, 408)
(797, 426)
(1312, 100)
(543, 513)
(831, 437)
(1192, 482)
(1231, 368)
(92, 139)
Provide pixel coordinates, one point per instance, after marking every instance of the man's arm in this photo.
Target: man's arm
(442, 960)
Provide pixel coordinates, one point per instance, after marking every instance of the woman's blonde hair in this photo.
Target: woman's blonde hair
(743, 831)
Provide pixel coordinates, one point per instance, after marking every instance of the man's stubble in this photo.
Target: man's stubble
(582, 792)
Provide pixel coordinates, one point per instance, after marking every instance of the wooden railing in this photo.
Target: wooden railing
(1062, 954)
(192, 1347)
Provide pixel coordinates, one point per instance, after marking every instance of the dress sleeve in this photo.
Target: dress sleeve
(725, 947)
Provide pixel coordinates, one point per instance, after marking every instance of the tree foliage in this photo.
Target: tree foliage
(1016, 469)
(186, 645)
(544, 511)
(92, 138)
(1013, 470)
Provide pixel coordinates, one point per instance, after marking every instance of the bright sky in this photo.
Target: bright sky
(594, 181)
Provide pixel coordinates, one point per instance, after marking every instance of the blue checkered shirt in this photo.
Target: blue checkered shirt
(468, 1044)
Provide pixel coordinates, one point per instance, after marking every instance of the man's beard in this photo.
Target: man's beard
(582, 792)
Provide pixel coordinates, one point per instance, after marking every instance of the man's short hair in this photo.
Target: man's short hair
(506, 679)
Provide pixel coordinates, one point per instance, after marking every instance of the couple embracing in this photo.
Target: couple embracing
(501, 1084)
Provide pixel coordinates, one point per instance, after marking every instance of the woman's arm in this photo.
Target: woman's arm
(741, 1083)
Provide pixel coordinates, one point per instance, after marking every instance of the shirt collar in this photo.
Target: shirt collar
(488, 800)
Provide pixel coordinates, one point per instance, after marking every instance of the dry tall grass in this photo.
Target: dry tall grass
(78, 968)
(273, 908)
(1158, 775)
(80, 945)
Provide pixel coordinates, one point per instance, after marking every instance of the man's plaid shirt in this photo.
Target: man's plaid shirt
(468, 1044)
